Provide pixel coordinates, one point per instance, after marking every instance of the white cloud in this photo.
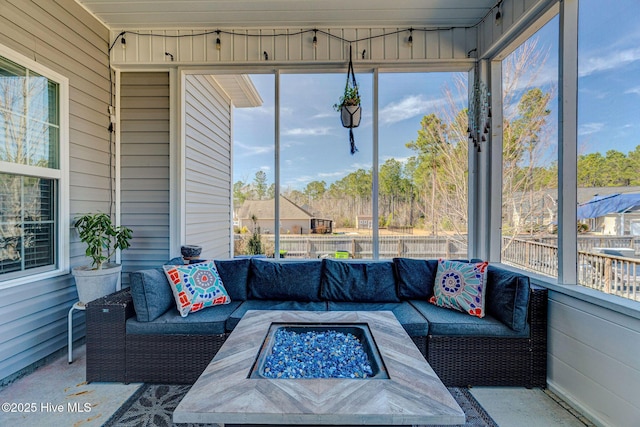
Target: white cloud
(589, 128)
(325, 115)
(614, 59)
(296, 181)
(407, 108)
(245, 150)
(250, 112)
(399, 159)
(320, 131)
(633, 90)
(331, 174)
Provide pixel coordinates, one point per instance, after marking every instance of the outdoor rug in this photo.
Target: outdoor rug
(153, 405)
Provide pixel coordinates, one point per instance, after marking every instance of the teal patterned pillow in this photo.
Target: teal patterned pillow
(461, 286)
(196, 286)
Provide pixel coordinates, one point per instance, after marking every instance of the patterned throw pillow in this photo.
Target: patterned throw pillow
(461, 286)
(196, 286)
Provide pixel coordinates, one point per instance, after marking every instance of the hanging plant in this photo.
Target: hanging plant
(349, 104)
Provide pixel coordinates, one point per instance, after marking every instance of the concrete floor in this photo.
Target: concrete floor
(521, 407)
(57, 395)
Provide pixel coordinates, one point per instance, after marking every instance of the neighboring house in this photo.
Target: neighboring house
(364, 222)
(539, 210)
(293, 218)
(614, 214)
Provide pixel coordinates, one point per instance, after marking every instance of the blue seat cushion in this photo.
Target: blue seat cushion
(358, 281)
(211, 320)
(255, 304)
(151, 294)
(234, 274)
(415, 277)
(412, 321)
(285, 280)
(445, 321)
(507, 297)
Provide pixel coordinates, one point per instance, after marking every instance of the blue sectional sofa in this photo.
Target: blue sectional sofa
(138, 335)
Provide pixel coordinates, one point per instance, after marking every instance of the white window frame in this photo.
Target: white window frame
(61, 266)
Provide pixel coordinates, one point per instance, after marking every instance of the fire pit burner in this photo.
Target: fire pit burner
(318, 351)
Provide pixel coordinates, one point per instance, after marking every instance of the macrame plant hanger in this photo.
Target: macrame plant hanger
(351, 119)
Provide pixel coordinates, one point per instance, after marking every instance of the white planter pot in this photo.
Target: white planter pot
(350, 116)
(92, 284)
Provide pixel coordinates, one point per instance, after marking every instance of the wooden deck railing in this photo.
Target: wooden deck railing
(531, 255)
(611, 274)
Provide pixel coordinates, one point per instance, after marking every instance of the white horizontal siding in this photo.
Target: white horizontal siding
(593, 359)
(144, 167)
(62, 36)
(287, 45)
(208, 186)
(516, 16)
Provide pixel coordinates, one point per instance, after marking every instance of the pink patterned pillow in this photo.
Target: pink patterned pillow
(461, 286)
(196, 286)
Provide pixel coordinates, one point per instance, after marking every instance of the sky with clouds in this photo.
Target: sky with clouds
(315, 146)
(313, 143)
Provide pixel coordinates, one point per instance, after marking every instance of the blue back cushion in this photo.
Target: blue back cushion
(358, 281)
(284, 280)
(234, 274)
(415, 277)
(507, 297)
(151, 294)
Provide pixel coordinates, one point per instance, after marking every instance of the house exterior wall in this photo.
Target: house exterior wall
(593, 359)
(244, 47)
(62, 36)
(144, 168)
(618, 224)
(208, 178)
(516, 15)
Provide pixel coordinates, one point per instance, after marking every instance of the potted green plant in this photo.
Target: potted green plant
(349, 106)
(102, 238)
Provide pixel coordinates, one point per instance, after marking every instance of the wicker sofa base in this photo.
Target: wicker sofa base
(462, 361)
(170, 359)
(114, 355)
(486, 361)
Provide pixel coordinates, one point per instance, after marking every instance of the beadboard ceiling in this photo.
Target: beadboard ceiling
(154, 14)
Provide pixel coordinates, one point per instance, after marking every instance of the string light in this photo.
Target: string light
(497, 8)
(315, 31)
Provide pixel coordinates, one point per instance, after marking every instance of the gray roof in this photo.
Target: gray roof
(265, 209)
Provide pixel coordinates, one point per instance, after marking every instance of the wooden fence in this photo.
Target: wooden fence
(319, 246)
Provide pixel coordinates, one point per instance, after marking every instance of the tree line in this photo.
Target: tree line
(430, 190)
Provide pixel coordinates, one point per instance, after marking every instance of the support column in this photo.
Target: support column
(568, 143)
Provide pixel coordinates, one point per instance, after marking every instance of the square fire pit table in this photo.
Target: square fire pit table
(228, 391)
